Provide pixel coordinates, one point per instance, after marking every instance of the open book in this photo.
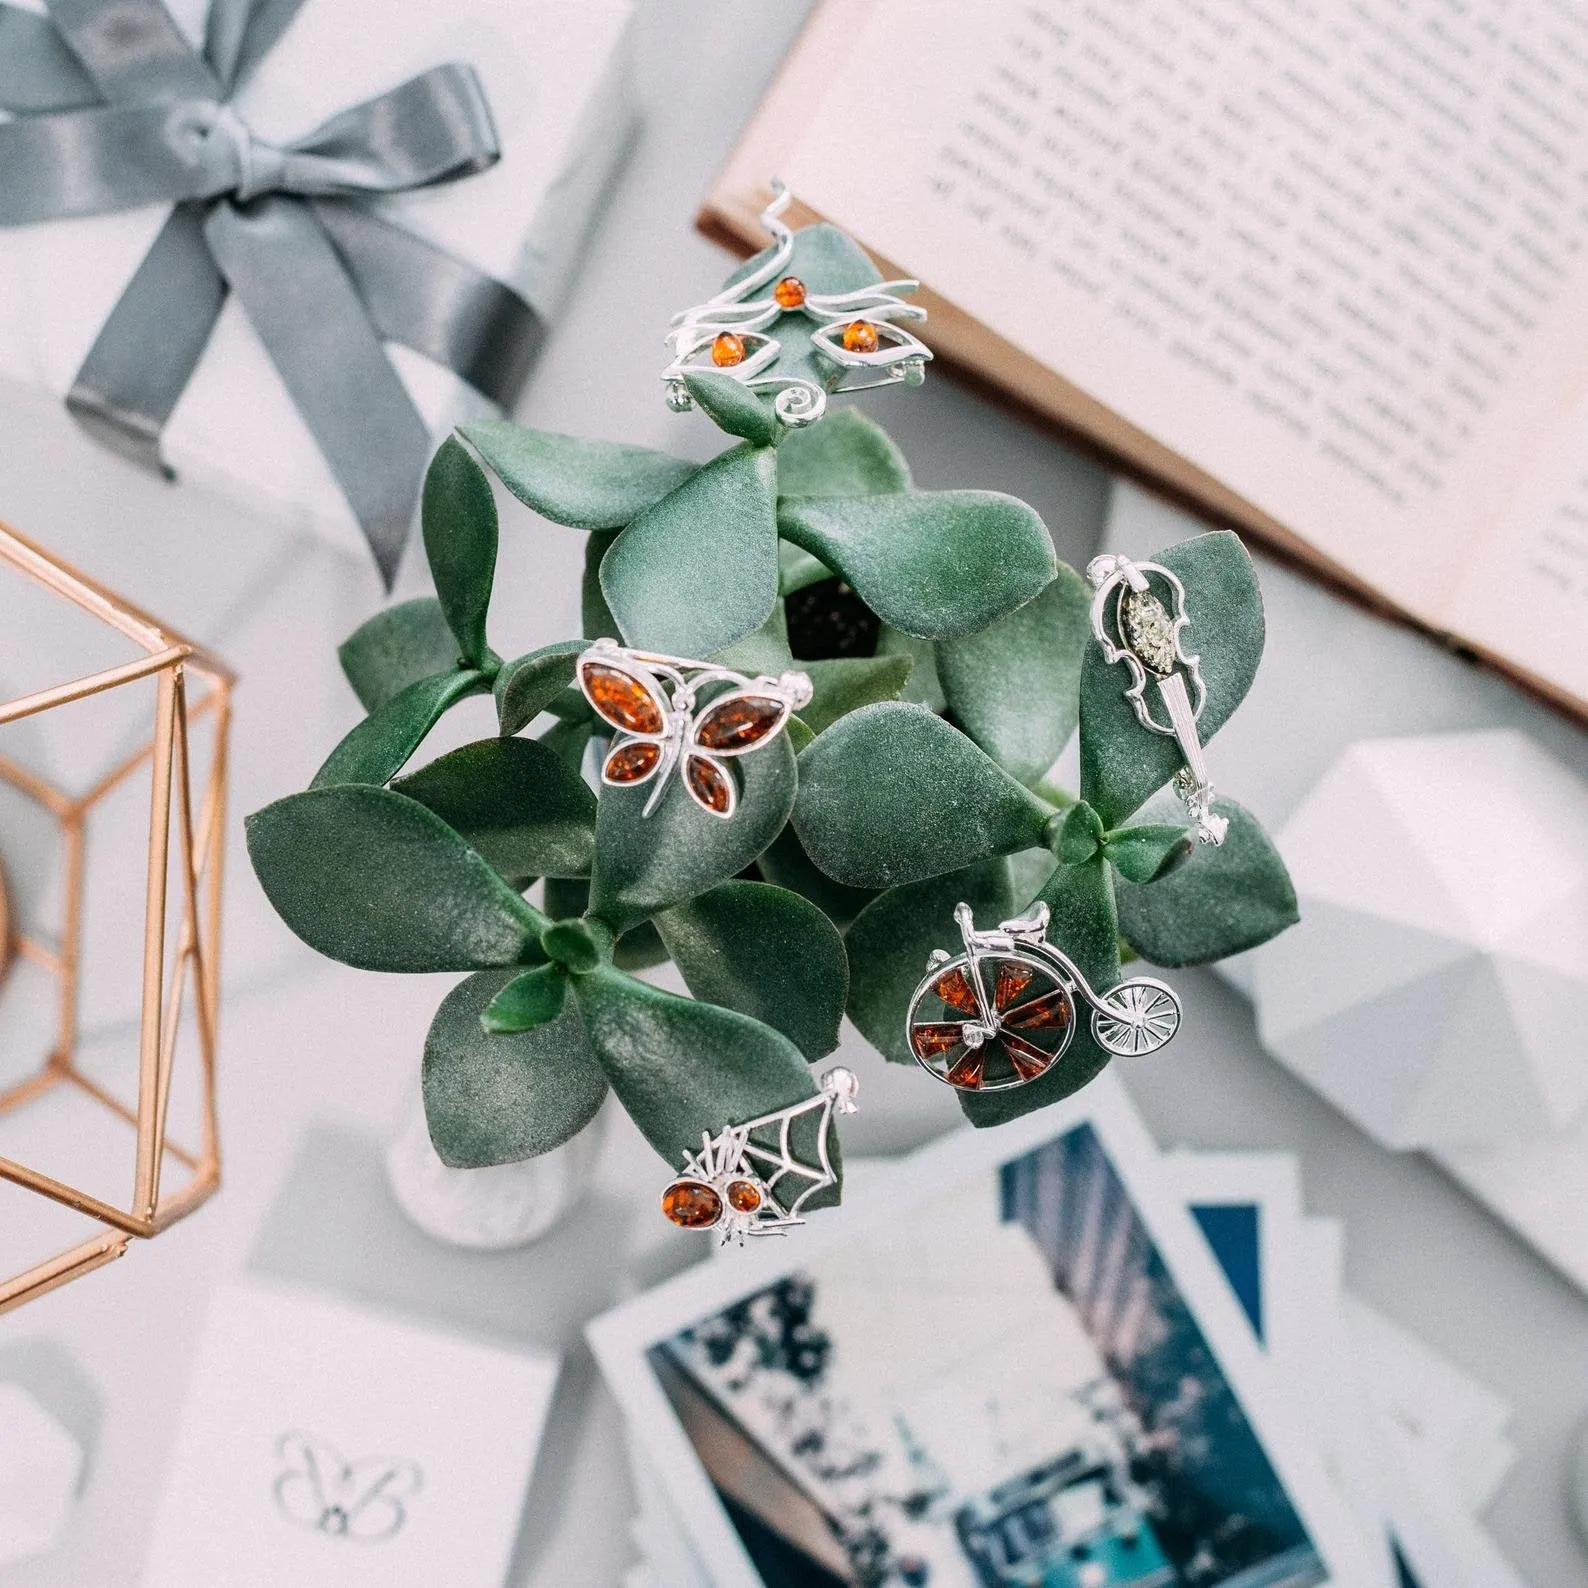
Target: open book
(1320, 267)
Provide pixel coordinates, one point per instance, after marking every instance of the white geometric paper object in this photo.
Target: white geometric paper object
(40, 1466)
(1436, 988)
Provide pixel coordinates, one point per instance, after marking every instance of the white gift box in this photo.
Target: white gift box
(555, 73)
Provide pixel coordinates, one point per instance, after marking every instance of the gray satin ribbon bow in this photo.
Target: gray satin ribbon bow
(114, 109)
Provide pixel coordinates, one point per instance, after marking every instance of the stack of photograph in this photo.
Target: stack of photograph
(1049, 1356)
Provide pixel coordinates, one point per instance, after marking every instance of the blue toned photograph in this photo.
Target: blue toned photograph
(1008, 1391)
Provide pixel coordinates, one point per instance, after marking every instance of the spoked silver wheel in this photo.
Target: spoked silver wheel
(1136, 1017)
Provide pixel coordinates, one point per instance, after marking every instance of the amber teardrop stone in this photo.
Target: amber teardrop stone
(631, 763)
(860, 336)
(930, 1040)
(738, 724)
(727, 350)
(966, 1075)
(710, 784)
(624, 701)
(691, 1204)
(744, 1196)
(1041, 1014)
(789, 293)
(1013, 979)
(955, 990)
(1028, 1059)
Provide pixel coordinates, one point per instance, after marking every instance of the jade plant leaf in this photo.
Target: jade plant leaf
(923, 686)
(1148, 852)
(646, 864)
(892, 793)
(844, 684)
(1122, 763)
(528, 684)
(377, 749)
(530, 999)
(1012, 686)
(373, 879)
(765, 651)
(637, 949)
(733, 407)
(698, 570)
(932, 563)
(842, 454)
(1080, 834)
(890, 939)
(787, 864)
(585, 484)
(595, 615)
(516, 802)
(1223, 900)
(765, 952)
(458, 518)
(396, 648)
(1084, 925)
(493, 1099)
(796, 569)
(568, 740)
(683, 1068)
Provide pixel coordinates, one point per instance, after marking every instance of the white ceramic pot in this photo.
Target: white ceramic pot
(487, 1210)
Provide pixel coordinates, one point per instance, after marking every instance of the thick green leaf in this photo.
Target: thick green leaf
(733, 407)
(1224, 900)
(796, 568)
(514, 801)
(646, 864)
(799, 734)
(527, 1001)
(843, 454)
(1014, 685)
(527, 685)
(890, 939)
(765, 651)
(578, 946)
(787, 864)
(378, 748)
(493, 1099)
(1080, 834)
(586, 484)
(375, 880)
(844, 684)
(568, 740)
(1084, 925)
(684, 1069)
(594, 614)
(765, 952)
(698, 570)
(396, 648)
(1122, 763)
(891, 793)
(933, 563)
(1148, 852)
(458, 518)
(923, 685)
(638, 949)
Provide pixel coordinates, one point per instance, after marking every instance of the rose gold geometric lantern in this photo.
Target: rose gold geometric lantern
(113, 772)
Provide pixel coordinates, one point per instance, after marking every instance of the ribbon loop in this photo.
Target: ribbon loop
(115, 109)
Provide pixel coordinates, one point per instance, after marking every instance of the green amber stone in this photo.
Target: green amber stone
(1149, 631)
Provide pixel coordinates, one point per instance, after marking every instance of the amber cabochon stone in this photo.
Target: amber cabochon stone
(691, 1204)
(727, 350)
(623, 701)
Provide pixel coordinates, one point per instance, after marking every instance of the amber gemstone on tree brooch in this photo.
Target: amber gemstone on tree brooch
(789, 293)
(860, 336)
(727, 350)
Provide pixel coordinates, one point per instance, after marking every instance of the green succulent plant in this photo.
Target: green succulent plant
(954, 665)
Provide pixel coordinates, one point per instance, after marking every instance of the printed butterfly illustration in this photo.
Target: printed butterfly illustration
(361, 1500)
(655, 704)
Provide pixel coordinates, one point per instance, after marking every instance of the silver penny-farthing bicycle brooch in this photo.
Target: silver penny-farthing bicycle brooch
(1003, 1012)
(1134, 624)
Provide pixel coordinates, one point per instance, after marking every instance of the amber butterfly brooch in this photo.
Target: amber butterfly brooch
(674, 714)
(1004, 1011)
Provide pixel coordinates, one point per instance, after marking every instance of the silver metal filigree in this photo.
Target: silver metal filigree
(746, 310)
(751, 1177)
(1132, 623)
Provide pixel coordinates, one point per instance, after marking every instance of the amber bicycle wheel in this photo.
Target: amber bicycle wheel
(995, 1024)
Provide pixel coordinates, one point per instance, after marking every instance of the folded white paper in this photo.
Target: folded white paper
(329, 1447)
(555, 73)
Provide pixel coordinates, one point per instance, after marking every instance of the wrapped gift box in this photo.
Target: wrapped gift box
(555, 73)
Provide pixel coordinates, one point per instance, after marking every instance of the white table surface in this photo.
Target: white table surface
(317, 1059)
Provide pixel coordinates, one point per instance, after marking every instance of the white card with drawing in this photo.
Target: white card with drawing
(323, 1444)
